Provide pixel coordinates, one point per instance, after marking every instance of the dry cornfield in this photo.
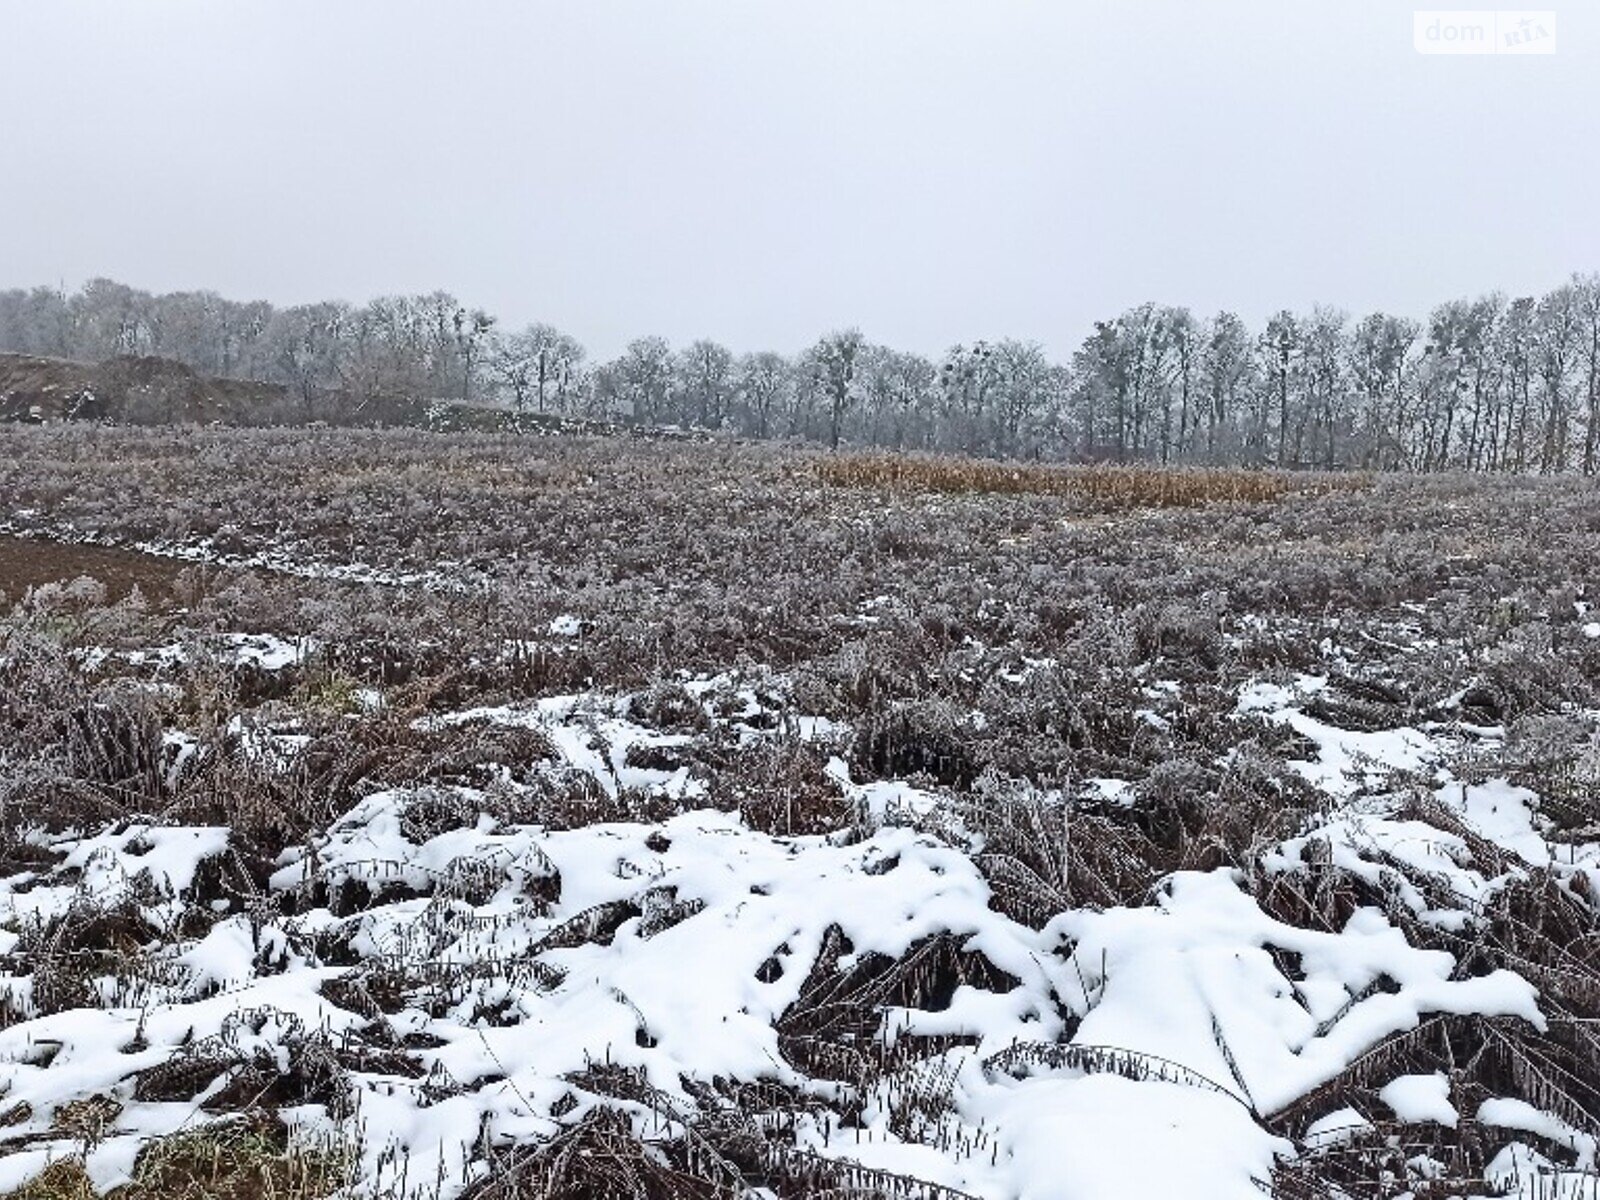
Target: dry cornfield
(1103, 486)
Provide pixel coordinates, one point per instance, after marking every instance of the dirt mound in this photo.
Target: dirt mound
(142, 390)
(46, 389)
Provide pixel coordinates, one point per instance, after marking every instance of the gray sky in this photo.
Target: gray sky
(761, 171)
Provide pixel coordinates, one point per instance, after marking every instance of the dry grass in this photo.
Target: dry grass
(1102, 486)
(235, 1161)
(599, 1158)
(63, 1180)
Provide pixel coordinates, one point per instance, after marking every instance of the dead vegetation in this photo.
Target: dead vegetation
(959, 624)
(1103, 488)
(252, 1159)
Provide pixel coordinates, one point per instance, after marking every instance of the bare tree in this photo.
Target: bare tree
(1557, 346)
(1588, 288)
(535, 364)
(1280, 349)
(1379, 353)
(643, 378)
(762, 381)
(1226, 366)
(832, 363)
(472, 329)
(1326, 395)
(306, 345)
(706, 383)
(1025, 383)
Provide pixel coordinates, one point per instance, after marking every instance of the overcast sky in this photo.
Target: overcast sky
(761, 171)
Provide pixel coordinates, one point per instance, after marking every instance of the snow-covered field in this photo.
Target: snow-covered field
(1096, 893)
(438, 982)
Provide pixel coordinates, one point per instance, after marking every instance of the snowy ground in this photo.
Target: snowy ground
(1235, 850)
(440, 983)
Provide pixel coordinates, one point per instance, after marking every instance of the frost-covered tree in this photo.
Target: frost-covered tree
(968, 379)
(642, 378)
(1481, 384)
(763, 384)
(706, 385)
(1024, 392)
(306, 344)
(537, 367)
(472, 329)
(1280, 355)
(1588, 289)
(1227, 368)
(1557, 346)
(1325, 411)
(1380, 350)
(1183, 337)
(831, 364)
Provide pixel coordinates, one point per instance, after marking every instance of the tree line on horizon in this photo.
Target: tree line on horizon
(1492, 383)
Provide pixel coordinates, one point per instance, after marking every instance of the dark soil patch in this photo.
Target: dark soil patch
(26, 563)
